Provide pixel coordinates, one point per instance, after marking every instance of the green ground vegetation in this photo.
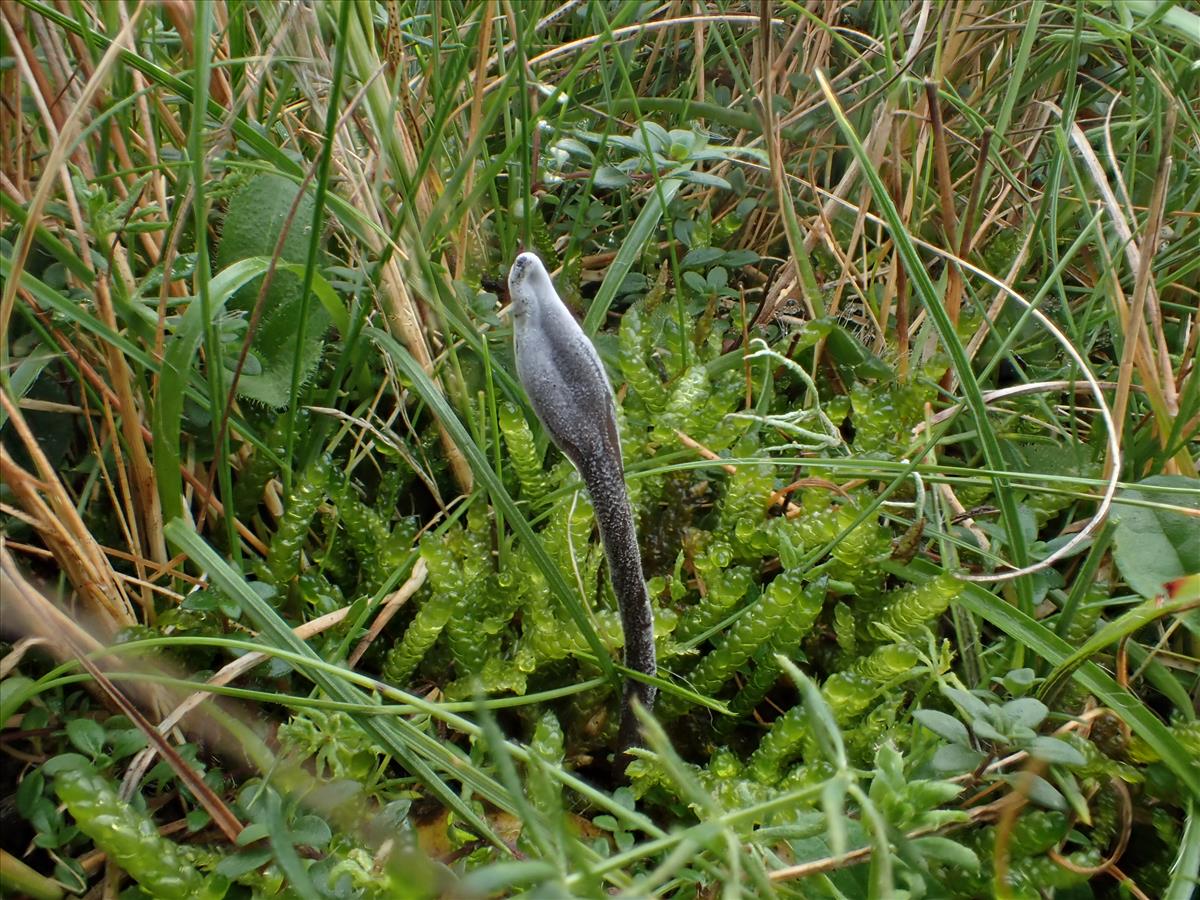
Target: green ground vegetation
(900, 305)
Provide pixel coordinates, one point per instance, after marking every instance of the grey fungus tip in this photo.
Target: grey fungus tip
(567, 387)
(523, 268)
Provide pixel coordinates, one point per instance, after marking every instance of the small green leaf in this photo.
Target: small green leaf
(1018, 681)
(241, 863)
(205, 600)
(947, 851)
(611, 178)
(944, 725)
(717, 278)
(37, 717)
(696, 282)
(966, 701)
(850, 352)
(126, 741)
(955, 758)
(704, 179)
(1039, 790)
(87, 735)
(311, 831)
(1028, 712)
(574, 147)
(71, 873)
(702, 256)
(30, 790)
(735, 259)
(984, 728)
(607, 822)
(1052, 750)
(252, 833)
(196, 819)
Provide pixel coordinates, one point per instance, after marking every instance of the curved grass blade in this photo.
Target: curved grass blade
(176, 374)
(1185, 871)
(179, 358)
(1124, 626)
(315, 236)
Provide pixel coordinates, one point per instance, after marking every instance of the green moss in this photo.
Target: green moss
(128, 836)
(287, 546)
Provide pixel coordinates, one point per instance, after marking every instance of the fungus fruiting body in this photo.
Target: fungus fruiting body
(568, 389)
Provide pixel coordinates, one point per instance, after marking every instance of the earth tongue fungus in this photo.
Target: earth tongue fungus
(565, 381)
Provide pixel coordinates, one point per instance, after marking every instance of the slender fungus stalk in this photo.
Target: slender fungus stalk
(566, 385)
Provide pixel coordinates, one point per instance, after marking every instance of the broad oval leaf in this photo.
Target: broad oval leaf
(944, 725)
(1154, 545)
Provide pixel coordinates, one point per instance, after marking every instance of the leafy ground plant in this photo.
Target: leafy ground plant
(900, 302)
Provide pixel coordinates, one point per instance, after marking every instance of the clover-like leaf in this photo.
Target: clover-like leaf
(87, 735)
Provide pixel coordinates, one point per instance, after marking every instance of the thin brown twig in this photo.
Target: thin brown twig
(1109, 863)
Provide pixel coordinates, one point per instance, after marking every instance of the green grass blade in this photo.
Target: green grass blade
(177, 371)
(631, 248)
(1125, 626)
(315, 234)
(197, 153)
(1185, 871)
